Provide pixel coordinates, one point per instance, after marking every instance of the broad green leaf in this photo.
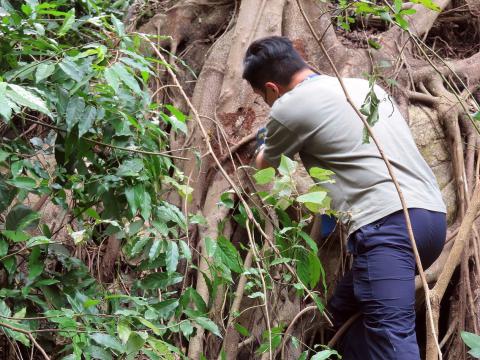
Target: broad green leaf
(476, 116)
(23, 182)
(473, 342)
(134, 344)
(229, 254)
(44, 70)
(398, 5)
(97, 352)
(172, 256)
(211, 246)
(74, 113)
(208, 324)
(163, 349)
(24, 97)
(131, 167)
(36, 241)
(429, 4)
(21, 217)
(119, 27)
(185, 250)
(310, 242)
(108, 341)
(264, 176)
(155, 249)
(315, 197)
(150, 325)
(321, 174)
(67, 23)
(3, 247)
(186, 328)
(7, 194)
(5, 109)
(177, 113)
(35, 265)
(112, 79)
(86, 120)
(126, 77)
(160, 280)
(15, 236)
(309, 268)
(287, 166)
(241, 329)
(325, 354)
(123, 330)
(72, 70)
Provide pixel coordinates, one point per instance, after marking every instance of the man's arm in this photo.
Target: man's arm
(260, 161)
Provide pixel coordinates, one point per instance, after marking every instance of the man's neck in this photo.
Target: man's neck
(298, 77)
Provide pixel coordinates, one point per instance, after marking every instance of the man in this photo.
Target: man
(310, 116)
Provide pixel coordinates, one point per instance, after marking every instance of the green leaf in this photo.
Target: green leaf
(23, 97)
(119, 27)
(112, 79)
(226, 200)
(44, 70)
(398, 5)
(373, 44)
(315, 197)
(15, 236)
(476, 116)
(241, 329)
(321, 174)
(67, 23)
(97, 352)
(5, 108)
(160, 280)
(123, 330)
(229, 254)
(325, 354)
(310, 242)
(185, 250)
(72, 70)
(23, 182)
(264, 176)
(131, 167)
(35, 265)
(177, 113)
(21, 217)
(186, 328)
(108, 341)
(208, 324)
(7, 194)
(126, 77)
(429, 4)
(172, 256)
(37, 240)
(74, 113)
(86, 120)
(473, 342)
(287, 166)
(309, 268)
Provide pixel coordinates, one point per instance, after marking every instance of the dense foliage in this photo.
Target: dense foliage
(74, 77)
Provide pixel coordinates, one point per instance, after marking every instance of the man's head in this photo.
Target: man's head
(269, 66)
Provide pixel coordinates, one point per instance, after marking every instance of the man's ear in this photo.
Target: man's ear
(272, 86)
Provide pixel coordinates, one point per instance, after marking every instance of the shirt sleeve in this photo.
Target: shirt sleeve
(280, 140)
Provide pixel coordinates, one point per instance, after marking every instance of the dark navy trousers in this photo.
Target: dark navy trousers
(381, 286)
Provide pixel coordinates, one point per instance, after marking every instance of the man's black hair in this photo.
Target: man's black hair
(271, 59)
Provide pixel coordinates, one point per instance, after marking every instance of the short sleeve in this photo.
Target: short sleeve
(280, 140)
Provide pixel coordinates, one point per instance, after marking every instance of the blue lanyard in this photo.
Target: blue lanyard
(310, 77)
